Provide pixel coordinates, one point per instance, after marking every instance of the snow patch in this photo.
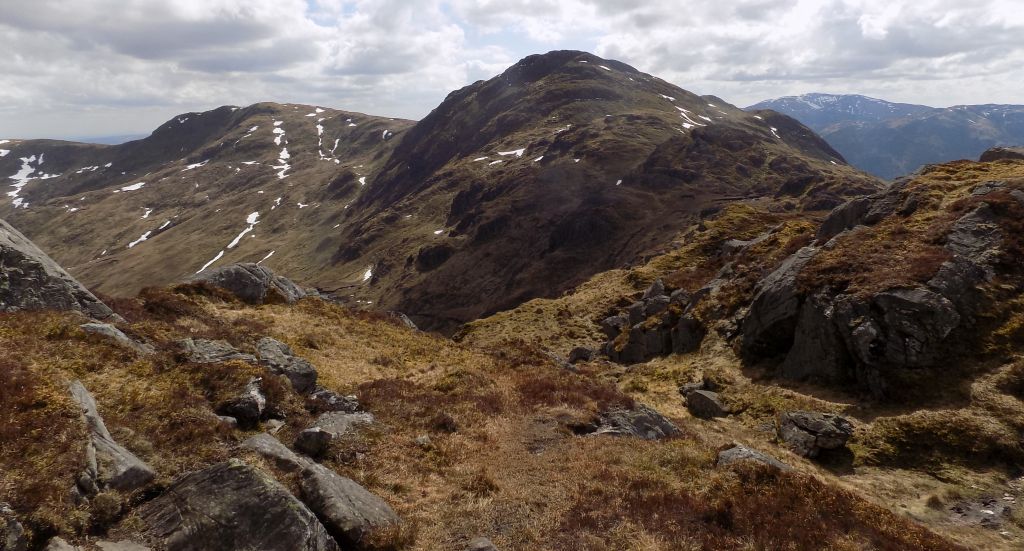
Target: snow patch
(146, 214)
(362, 181)
(252, 220)
(144, 237)
(195, 166)
(133, 187)
(270, 254)
(212, 260)
(368, 274)
(517, 152)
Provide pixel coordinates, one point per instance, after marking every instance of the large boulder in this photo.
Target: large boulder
(808, 432)
(272, 449)
(31, 280)
(325, 400)
(705, 404)
(108, 464)
(279, 359)
(640, 421)
(232, 506)
(247, 408)
(253, 284)
(348, 511)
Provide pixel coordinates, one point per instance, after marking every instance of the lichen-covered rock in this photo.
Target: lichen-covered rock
(329, 427)
(272, 449)
(31, 280)
(323, 400)
(768, 326)
(740, 453)
(279, 359)
(252, 283)
(808, 432)
(113, 333)
(203, 351)
(108, 464)
(640, 421)
(232, 506)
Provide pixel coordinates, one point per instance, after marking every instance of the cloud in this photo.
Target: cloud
(64, 63)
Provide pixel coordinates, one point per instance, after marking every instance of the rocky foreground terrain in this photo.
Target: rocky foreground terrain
(775, 379)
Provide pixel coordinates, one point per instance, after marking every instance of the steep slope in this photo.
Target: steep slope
(522, 186)
(893, 139)
(565, 165)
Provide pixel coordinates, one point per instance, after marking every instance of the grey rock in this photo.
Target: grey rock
(769, 324)
(581, 354)
(424, 441)
(613, 326)
(985, 188)
(976, 236)
(121, 546)
(404, 320)
(818, 351)
(733, 246)
(232, 506)
(1018, 195)
(273, 426)
(1002, 153)
(655, 305)
(13, 533)
(656, 289)
(108, 464)
(58, 544)
(113, 333)
(687, 334)
(202, 351)
(480, 544)
(279, 359)
(679, 297)
(253, 284)
(329, 427)
(227, 421)
(635, 313)
(247, 407)
(808, 432)
(31, 280)
(348, 511)
(844, 217)
(705, 404)
(740, 453)
(326, 400)
(640, 422)
(272, 449)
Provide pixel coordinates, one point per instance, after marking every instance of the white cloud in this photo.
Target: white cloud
(79, 67)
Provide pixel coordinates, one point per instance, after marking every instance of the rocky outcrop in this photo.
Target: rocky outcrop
(113, 333)
(279, 359)
(233, 506)
(323, 400)
(202, 351)
(108, 464)
(329, 427)
(31, 280)
(807, 433)
(656, 325)
(1003, 153)
(768, 326)
(253, 284)
(640, 421)
(740, 453)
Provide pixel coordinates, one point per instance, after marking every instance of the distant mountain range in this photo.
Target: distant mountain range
(893, 139)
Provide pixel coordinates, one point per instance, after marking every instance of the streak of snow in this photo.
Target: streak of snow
(605, 68)
(368, 274)
(146, 214)
(144, 237)
(478, 159)
(539, 159)
(133, 187)
(775, 132)
(164, 225)
(438, 232)
(517, 152)
(362, 181)
(252, 220)
(492, 163)
(195, 166)
(208, 264)
(669, 98)
(270, 254)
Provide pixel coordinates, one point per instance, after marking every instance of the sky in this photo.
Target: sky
(81, 68)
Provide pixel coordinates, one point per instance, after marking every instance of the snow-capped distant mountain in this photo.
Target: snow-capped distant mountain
(820, 111)
(893, 139)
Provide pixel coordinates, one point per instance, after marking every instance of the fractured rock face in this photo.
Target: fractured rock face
(233, 506)
(108, 464)
(31, 280)
(807, 432)
(252, 283)
(278, 357)
(768, 326)
(247, 408)
(202, 351)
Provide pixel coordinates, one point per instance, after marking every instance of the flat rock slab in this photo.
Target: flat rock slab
(232, 506)
(202, 351)
(271, 448)
(349, 511)
(113, 333)
(108, 464)
(741, 453)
